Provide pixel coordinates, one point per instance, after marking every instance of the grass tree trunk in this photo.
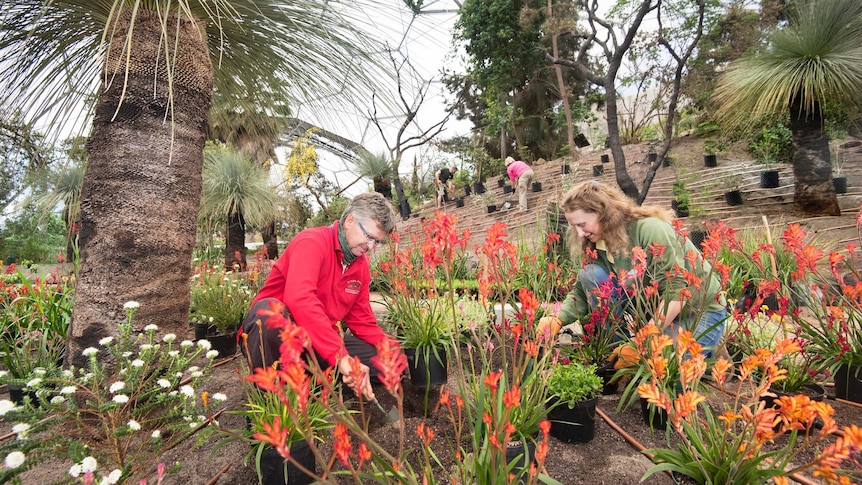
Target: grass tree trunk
(270, 240)
(139, 201)
(234, 248)
(812, 167)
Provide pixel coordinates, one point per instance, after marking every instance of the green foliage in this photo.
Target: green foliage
(574, 382)
(750, 263)
(34, 235)
(681, 195)
(771, 143)
(137, 398)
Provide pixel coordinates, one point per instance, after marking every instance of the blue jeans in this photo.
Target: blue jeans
(709, 329)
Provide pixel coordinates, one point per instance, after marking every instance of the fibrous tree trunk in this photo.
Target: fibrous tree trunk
(140, 198)
(234, 248)
(814, 193)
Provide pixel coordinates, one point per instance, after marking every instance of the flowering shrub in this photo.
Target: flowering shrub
(36, 318)
(729, 445)
(219, 298)
(136, 400)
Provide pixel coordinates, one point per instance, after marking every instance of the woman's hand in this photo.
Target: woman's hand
(355, 373)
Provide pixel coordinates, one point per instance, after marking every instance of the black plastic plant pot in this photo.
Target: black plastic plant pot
(606, 158)
(203, 330)
(491, 208)
(710, 161)
(478, 188)
(769, 179)
(653, 156)
(521, 455)
(733, 197)
(565, 169)
(665, 162)
(536, 187)
(840, 184)
(508, 189)
(679, 211)
(848, 383)
(459, 202)
(430, 372)
(655, 417)
(574, 425)
(598, 170)
(272, 466)
(501, 182)
(606, 372)
(226, 344)
(697, 238)
(466, 190)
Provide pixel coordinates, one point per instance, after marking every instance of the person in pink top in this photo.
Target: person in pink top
(521, 175)
(322, 279)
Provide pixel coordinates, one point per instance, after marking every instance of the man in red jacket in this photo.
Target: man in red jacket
(322, 278)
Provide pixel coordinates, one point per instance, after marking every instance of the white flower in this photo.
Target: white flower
(112, 477)
(193, 425)
(136, 426)
(6, 406)
(164, 383)
(212, 354)
(120, 398)
(146, 346)
(75, 470)
(3, 373)
(34, 382)
(89, 464)
(156, 434)
(186, 343)
(21, 429)
(187, 391)
(194, 368)
(197, 373)
(169, 337)
(90, 351)
(58, 400)
(219, 396)
(172, 393)
(68, 373)
(117, 386)
(131, 305)
(151, 328)
(106, 341)
(174, 353)
(68, 390)
(137, 363)
(40, 371)
(15, 459)
(204, 344)
(127, 354)
(211, 319)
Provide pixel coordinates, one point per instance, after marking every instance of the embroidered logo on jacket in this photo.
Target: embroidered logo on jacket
(353, 287)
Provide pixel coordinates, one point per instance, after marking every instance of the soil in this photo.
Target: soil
(607, 459)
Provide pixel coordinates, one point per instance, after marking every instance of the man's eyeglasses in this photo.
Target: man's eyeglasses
(370, 239)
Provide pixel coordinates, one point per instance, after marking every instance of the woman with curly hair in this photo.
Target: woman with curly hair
(606, 227)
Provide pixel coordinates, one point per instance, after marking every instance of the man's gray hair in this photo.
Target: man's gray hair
(372, 205)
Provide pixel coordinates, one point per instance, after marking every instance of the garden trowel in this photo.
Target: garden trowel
(391, 416)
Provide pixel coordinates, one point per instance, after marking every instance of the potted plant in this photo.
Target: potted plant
(681, 198)
(768, 145)
(219, 302)
(710, 149)
(732, 194)
(486, 199)
(426, 336)
(272, 404)
(573, 391)
(839, 180)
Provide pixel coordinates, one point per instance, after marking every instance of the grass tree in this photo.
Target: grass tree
(236, 191)
(813, 62)
(145, 70)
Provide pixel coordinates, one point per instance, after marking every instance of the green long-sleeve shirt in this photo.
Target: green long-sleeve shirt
(643, 233)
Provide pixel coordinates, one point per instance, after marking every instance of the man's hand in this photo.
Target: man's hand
(549, 324)
(355, 373)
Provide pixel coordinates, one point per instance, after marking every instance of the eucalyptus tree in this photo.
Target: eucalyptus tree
(236, 191)
(145, 70)
(607, 43)
(813, 61)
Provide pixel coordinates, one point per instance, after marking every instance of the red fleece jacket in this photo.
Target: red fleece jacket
(310, 279)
